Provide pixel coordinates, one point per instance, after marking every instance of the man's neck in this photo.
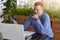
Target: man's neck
(41, 13)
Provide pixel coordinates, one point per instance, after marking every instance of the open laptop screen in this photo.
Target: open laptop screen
(12, 31)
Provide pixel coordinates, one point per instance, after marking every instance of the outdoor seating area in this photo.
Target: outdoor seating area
(15, 13)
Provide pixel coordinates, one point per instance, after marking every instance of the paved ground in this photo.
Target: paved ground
(1, 37)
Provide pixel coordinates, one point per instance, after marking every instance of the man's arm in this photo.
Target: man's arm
(43, 26)
(27, 24)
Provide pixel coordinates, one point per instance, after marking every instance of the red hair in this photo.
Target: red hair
(38, 3)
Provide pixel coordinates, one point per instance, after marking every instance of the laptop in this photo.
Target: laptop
(12, 31)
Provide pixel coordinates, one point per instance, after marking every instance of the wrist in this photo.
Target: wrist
(36, 19)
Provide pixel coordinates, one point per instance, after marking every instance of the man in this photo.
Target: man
(40, 21)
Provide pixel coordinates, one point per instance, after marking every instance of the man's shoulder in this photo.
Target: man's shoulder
(45, 14)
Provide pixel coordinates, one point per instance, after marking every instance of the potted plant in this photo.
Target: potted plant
(10, 4)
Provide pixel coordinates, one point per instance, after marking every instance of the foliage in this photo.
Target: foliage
(27, 11)
(53, 13)
(21, 11)
(10, 4)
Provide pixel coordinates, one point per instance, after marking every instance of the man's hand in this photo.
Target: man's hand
(35, 16)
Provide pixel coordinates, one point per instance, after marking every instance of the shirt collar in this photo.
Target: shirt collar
(41, 14)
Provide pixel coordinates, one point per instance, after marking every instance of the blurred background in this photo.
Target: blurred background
(21, 9)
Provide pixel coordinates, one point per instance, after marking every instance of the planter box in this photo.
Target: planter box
(56, 28)
(21, 19)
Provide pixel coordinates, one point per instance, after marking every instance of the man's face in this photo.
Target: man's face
(38, 9)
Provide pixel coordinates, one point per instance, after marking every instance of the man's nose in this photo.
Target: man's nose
(35, 11)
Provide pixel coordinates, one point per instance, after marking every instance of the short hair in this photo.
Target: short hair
(38, 3)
